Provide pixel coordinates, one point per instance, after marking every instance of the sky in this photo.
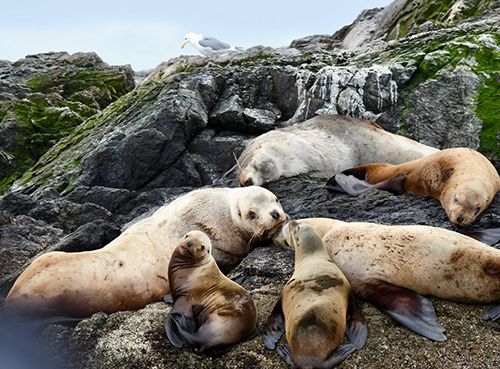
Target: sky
(147, 32)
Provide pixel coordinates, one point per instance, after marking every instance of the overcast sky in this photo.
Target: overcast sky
(145, 33)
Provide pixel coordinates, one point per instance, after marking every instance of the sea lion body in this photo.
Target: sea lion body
(131, 271)
(462, 179)
(210, 311)
(380, 260)
(317, 305)
(321, 147)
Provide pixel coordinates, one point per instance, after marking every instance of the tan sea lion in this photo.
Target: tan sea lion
(131, 271)
(462, 179)
(393, 266)
(316, 307)
(321, 147)
(210, 312)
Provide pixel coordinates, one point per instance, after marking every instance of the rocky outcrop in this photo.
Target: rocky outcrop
(182, 127)
(44, 97)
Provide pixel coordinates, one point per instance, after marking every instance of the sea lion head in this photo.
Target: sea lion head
(304, 239)
(466, 203)
(282, 238)
(194, 245)
(259, 212)
(295, 236)
(261, 168)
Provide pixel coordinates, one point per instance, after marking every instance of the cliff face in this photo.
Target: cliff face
(44, 97)
(427, 70)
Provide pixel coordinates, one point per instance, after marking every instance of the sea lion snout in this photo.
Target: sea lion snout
(460, 218)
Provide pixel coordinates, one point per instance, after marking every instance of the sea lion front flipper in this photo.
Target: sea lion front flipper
(286, 354)
(168, 298)
(405, 306)
(338, 355)
(175, 324)
(356, 328)
(274, 327)
(493, 313)
(488, 236)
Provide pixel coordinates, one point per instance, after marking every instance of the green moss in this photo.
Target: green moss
(488, 110)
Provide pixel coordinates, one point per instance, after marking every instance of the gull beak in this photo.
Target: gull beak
(184, 44)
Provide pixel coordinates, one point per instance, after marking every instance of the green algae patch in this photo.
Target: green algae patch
(488, 110)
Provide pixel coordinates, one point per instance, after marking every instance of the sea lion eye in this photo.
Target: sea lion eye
(456, 200)
(203, 247)
(478, 209)
(248, 182)
(251, 214)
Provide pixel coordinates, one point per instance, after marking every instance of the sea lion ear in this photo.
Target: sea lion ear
(448, 174)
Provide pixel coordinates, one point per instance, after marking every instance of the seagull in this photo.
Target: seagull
(209, 46)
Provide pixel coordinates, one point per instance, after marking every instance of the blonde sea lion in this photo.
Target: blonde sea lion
(393, 266)
(316, 307)
(321, 147)
(462, 179)
(210, 311)
(131, 271)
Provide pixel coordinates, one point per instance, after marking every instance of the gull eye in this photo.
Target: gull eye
(251, 214)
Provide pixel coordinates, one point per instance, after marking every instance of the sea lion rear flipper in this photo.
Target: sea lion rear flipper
(350, 184)
(405, 306)
(356, 328)
(488, 236)
(274, 327)
(492, 313)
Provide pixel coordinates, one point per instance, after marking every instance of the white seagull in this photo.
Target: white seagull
(209, 46)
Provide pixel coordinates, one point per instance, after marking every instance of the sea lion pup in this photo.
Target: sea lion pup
(210, 311)
(131, 271)
(393, 266)
(316, 307)
(462, 179)
(322, 146)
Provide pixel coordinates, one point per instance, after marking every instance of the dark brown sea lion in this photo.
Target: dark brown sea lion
(210, 312)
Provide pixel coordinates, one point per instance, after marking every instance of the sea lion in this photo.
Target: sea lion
(131, 271)
(393, 266)
(210, 311)
(321, 147)
(316, 307)
(462, 179)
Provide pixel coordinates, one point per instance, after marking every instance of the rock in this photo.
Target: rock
(44, 97)
(428, 70)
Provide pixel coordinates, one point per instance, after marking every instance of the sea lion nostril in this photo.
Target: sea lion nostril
(275, 214)
(248, 182)
(190, 243)
(460, 218)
